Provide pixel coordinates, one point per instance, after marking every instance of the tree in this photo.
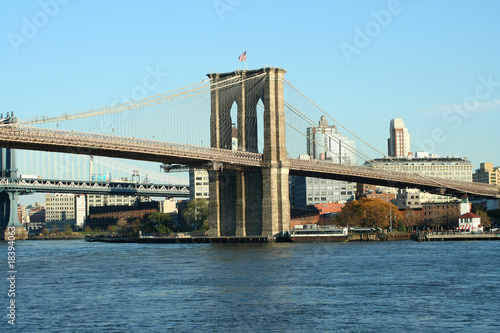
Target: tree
(136, 225)
(368, 212)
(121, 222)
(88, 229)
(485, 219)
(112, 228)
(412, 218)
(204, 225)
(44, 231)
(494, 214)
(158, 222)
(196, 214)
(122, 226)
(163, 229)
(68, 230)
(56, 232)
(449, 221)
(402, 226)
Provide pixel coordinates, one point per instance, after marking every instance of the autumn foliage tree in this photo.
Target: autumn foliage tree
(485, 219)
(368, 212)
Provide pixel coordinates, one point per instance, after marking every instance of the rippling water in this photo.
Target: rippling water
(74, 286)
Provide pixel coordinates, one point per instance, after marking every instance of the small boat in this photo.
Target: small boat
(319, 233)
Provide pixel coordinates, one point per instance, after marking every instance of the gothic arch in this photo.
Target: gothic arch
(249, 202)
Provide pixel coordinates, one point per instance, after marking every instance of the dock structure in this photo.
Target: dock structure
(454, 237)
(220, 239)
(183, 239)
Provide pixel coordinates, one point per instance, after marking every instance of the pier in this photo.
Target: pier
(172, 239)
(183, 239)
(423, 237)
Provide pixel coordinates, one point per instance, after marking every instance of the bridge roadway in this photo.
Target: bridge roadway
(29, 138)
(27, 186)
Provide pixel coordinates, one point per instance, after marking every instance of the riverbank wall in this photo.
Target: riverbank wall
(56, 237)
(433, 237)
(372, 237)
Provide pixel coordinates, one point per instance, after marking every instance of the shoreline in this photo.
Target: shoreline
(58, 237)
(421, 237)
(239, 239)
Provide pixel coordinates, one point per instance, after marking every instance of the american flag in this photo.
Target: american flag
(243, 56)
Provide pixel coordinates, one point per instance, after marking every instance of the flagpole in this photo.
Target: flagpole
(246, 65)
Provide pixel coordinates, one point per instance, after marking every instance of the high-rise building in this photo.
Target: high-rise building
(59, 207)
(398, 143)
(80, 211)
(447, 167)
(306, 191)
(324, 143)
(198, 184)
(63, 209)
(487, 174)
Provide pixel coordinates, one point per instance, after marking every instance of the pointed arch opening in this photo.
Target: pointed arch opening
(234, 127)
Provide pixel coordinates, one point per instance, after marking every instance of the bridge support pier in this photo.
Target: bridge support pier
(8, 199)
(9, 217)
(276, 202)
(249, 202)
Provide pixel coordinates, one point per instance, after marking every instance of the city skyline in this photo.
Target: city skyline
(238, 262)
(364, 63)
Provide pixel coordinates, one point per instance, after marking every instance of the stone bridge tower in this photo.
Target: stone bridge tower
(249, 202)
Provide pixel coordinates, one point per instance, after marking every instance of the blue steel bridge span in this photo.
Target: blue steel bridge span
(27, 186)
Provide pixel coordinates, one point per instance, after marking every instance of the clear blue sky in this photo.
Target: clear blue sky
(435, 64)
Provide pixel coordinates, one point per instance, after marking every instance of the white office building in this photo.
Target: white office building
(64, 209)
(447, 167)
(198, 184)
(325, 143)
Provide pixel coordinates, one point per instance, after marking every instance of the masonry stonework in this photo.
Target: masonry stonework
(249, 202)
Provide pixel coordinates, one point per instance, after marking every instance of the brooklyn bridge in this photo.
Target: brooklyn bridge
(193, 126)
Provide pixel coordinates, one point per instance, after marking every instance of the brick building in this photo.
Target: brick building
(102, 217)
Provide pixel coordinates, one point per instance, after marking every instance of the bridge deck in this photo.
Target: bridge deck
(368, 175)
(13, 136)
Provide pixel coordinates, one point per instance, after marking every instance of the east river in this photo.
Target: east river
(400, 286)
